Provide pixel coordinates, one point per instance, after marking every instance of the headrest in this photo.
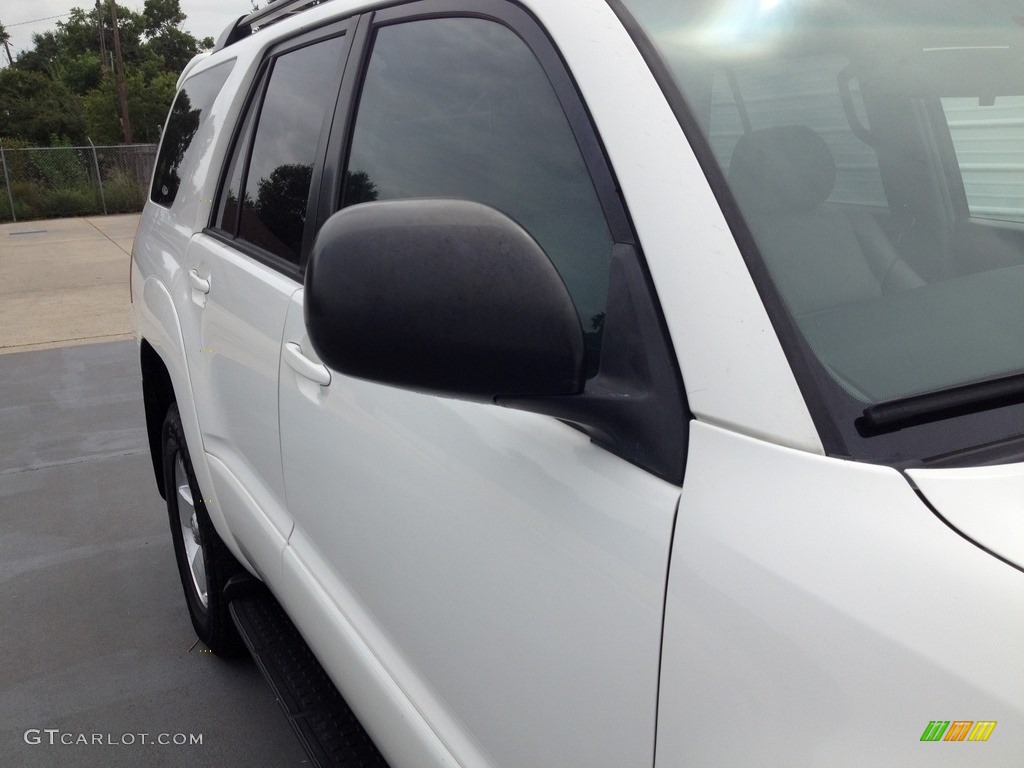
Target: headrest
(788, 168)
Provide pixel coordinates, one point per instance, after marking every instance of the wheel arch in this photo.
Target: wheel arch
(157, 396)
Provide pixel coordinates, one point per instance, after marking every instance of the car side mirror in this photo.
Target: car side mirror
(443, 296)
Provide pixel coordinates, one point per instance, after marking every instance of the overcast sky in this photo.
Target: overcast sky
(205, 17)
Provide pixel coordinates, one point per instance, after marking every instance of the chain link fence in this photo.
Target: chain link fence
(57, 182)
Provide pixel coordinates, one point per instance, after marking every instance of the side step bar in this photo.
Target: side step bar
(327, 728)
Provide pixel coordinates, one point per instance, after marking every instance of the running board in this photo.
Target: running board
(324, 723)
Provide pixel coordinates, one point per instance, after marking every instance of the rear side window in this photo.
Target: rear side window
(267, 188)
(990, 151)
(190, 106)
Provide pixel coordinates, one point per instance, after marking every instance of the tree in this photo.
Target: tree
(79, 74)
(78, 38)
(175, 48)
(149, 97)
(75, 60)
(166, 39)
(161, 15)
(36, 108)
(281, 201)
(359, 188)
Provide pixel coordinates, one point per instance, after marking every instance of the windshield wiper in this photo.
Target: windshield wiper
(893, 415)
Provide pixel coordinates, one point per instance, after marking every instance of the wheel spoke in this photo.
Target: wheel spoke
(190, 536)
(198, 564)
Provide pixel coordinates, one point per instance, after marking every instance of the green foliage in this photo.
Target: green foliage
(11, 142)
(174, 48)
(34, 107)
(57, 203)
(161, 15)
(64, 86)
(60, 167)
(149, 98)
(59, 182)
(17, 162)
(79, 74)
(32, 201)
(123, 193)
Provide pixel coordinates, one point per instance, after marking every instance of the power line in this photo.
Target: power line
(48, 18)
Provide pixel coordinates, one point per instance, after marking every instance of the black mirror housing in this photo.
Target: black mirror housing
(443, 296)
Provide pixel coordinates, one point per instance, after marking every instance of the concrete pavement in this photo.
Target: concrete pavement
(99, 662)
(65, 282)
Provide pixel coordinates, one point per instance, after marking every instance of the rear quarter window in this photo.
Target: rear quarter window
(189, 109)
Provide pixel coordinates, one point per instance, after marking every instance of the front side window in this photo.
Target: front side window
(266, 192)
(461, 108)
(190, 105)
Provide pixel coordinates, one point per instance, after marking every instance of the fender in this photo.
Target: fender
(157, 323)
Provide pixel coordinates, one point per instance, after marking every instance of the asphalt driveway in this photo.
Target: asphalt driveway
(100, 665)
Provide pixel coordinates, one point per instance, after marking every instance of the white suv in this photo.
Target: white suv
(607, 383)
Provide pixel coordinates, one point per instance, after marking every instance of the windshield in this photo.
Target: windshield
(874, 155)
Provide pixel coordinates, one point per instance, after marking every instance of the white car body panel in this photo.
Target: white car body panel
(329, 616)
(819, 610)
(257, 537)
(522, 581)
(233, 359)
(735, 371)
(463, 571)
(984, 503)
(153, 269)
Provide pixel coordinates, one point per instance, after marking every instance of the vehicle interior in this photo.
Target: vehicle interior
(877, 156)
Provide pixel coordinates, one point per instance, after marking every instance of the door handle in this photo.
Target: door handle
(305, 367)
(199, 283)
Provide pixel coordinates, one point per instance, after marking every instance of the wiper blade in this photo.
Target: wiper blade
(893, 415)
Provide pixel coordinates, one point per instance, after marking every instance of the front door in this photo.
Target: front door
(508, 573)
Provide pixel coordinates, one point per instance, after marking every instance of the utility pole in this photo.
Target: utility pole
(122, 89)
(6, 37)
(103, 38)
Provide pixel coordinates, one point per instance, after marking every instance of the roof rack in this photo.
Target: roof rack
(246, 25)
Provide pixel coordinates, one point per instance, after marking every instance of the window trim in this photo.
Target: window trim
(253, 106)
(532, 33)
(809, 378)
(249, 113)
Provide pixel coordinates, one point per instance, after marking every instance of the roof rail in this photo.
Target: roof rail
(264, 17)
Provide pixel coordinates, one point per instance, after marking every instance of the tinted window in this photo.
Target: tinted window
(227, 214)
(194, 99)
(461, 108)
(797, 92)
(276, 176)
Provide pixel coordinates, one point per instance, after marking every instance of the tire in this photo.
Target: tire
(204, 562)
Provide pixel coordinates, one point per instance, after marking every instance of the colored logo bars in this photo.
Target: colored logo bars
(958, 730)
